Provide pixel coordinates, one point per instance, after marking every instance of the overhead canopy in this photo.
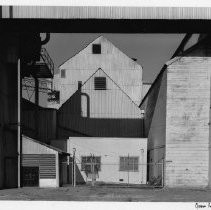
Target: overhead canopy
(106, 19)
(107, 12)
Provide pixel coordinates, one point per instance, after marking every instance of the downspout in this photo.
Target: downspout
(19, 135)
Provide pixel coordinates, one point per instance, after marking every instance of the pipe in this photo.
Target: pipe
(19, 128)
(46, 40)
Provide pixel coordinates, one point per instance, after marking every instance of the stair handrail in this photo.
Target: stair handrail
(47, 59)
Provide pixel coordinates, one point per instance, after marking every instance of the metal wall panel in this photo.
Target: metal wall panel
(125, 72)
(46, 120)
(45, 162)
(106, 113)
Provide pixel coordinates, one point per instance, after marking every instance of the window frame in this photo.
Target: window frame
(96, 49)
(135, 166)
(63, 71)
(89, 163)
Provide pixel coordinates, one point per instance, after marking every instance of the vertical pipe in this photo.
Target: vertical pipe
(128, 178)
(74, 172)
(11, 11)
(57, 169)
(19, 128)
(162, 165)
(92, 170)
(68, 169)
(74, 168)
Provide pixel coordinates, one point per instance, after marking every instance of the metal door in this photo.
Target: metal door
(30, 176)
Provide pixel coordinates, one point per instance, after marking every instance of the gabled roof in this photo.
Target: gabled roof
(100, 37)
(99, 69)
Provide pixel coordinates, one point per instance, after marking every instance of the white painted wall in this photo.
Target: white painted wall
(122, 69)
(110, 149)
(145, 88)
(187, 121)
(48, 183)
(29, 146)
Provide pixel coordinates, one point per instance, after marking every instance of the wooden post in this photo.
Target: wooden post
(72, 171)
(162, 172)
(92, 170)
(74, 168)
(128, 178)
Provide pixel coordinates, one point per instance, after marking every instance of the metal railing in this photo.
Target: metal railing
(47, 59)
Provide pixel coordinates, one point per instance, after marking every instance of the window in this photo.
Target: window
(96, 49)
(87, 161)
(63, 73)
(128, 164)
(100, 83)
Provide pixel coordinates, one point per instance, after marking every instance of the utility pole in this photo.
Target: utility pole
(93, 170)
(19, 124)
(74, 168)
(128, 176)
(163, 168)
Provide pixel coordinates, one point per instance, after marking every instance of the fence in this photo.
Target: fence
(128, 174)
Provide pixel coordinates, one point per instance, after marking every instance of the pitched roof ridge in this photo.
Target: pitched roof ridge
(101, 36)
(80, 50)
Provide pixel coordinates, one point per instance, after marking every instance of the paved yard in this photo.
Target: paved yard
(106, 193)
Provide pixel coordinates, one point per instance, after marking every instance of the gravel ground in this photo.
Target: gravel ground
(106, 193)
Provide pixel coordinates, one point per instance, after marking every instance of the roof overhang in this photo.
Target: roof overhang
(107, 12)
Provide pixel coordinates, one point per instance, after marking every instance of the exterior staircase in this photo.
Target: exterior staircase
(44, 68)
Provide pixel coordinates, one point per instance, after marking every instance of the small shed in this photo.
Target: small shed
(42, 164)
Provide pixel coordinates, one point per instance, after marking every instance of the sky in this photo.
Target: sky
(151, 50)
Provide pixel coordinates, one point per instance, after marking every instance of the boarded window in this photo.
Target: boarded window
(128, 164)
(96, 49)
(87, 161)
(100, 83)
(63, 73)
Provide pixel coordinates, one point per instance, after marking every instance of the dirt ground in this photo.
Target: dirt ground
(106, 193)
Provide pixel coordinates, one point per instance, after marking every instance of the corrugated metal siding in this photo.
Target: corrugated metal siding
(46, 119)
(122, 69)
(106, 12)
(45, 162)
(155, 122)
(109, 112)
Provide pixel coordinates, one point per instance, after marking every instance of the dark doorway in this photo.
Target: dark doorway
(31, 176)
(11, 168)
